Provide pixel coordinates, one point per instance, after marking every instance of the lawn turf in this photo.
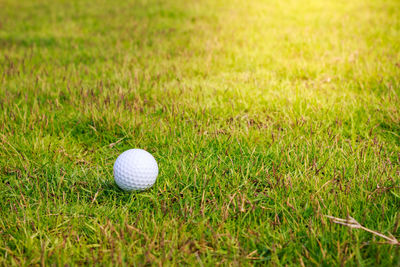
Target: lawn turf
(264, 116)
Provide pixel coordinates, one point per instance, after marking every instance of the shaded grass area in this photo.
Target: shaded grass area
(263, 117)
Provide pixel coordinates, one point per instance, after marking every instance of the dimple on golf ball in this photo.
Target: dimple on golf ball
(135, 169)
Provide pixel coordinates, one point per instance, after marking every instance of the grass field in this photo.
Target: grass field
(264, 116)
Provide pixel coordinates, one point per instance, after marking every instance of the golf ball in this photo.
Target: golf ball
(135, 169)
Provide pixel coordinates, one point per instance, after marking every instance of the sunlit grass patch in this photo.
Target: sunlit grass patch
(264, 116)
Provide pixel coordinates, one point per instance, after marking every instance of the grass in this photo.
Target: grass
(264, 116)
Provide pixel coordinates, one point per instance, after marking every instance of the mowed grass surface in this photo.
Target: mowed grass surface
(264, 116)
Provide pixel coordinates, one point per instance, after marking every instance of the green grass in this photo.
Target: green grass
(264, 116)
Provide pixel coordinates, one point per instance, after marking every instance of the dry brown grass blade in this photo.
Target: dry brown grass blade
(352, 223)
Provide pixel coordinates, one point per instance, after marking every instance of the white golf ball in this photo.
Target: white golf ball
(135, 169)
